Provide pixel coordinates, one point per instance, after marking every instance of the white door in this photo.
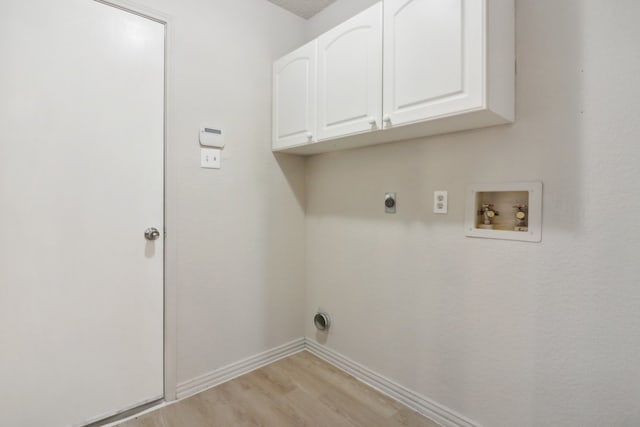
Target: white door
(81, 178)
(294, 97)
(433, 58)
(350, 76)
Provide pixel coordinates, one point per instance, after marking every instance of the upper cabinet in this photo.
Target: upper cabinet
(433, 58)
(350, 76)
(410, 68)
(294, 97)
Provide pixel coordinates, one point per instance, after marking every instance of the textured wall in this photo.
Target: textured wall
(506, 333)
(334, 14)
(235, 236)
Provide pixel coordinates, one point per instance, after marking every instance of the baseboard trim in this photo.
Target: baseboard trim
(433, 410)
(437, 412)
(236, 369)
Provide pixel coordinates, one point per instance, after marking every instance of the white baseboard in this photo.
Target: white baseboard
(433, 410)
(236, 369)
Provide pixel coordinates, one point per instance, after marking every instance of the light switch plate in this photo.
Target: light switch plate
(210, 158)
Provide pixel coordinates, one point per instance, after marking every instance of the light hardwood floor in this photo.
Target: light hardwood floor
(299, 391)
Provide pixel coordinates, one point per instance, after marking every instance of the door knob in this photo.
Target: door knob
(151, 233)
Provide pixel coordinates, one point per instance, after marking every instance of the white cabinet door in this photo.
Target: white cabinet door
(294, 97)
(350, 76)
(434, 52)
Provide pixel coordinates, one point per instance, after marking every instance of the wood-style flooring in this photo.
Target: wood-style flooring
(299, 391)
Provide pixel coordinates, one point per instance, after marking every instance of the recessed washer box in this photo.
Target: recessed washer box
(509, 211)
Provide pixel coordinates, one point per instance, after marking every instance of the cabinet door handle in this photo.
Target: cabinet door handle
(386, 118)
(372, 121)
(309, 135)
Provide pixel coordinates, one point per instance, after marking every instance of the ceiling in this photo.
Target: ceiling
(303, 8)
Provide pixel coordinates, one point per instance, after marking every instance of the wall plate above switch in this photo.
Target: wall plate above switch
(210, 158)
(440, 202)
(211, 137)
(390, 203)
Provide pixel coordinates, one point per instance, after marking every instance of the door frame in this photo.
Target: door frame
(169, 194)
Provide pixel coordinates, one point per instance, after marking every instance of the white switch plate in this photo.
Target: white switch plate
(210, 158)
(440, 202)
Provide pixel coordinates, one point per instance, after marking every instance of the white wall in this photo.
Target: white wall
(506, 333)
(235, 235)
(334, 14)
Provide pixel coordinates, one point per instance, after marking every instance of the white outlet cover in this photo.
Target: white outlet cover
(210, 158)
(440, 202)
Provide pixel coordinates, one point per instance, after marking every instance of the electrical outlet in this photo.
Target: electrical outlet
(440, 202)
